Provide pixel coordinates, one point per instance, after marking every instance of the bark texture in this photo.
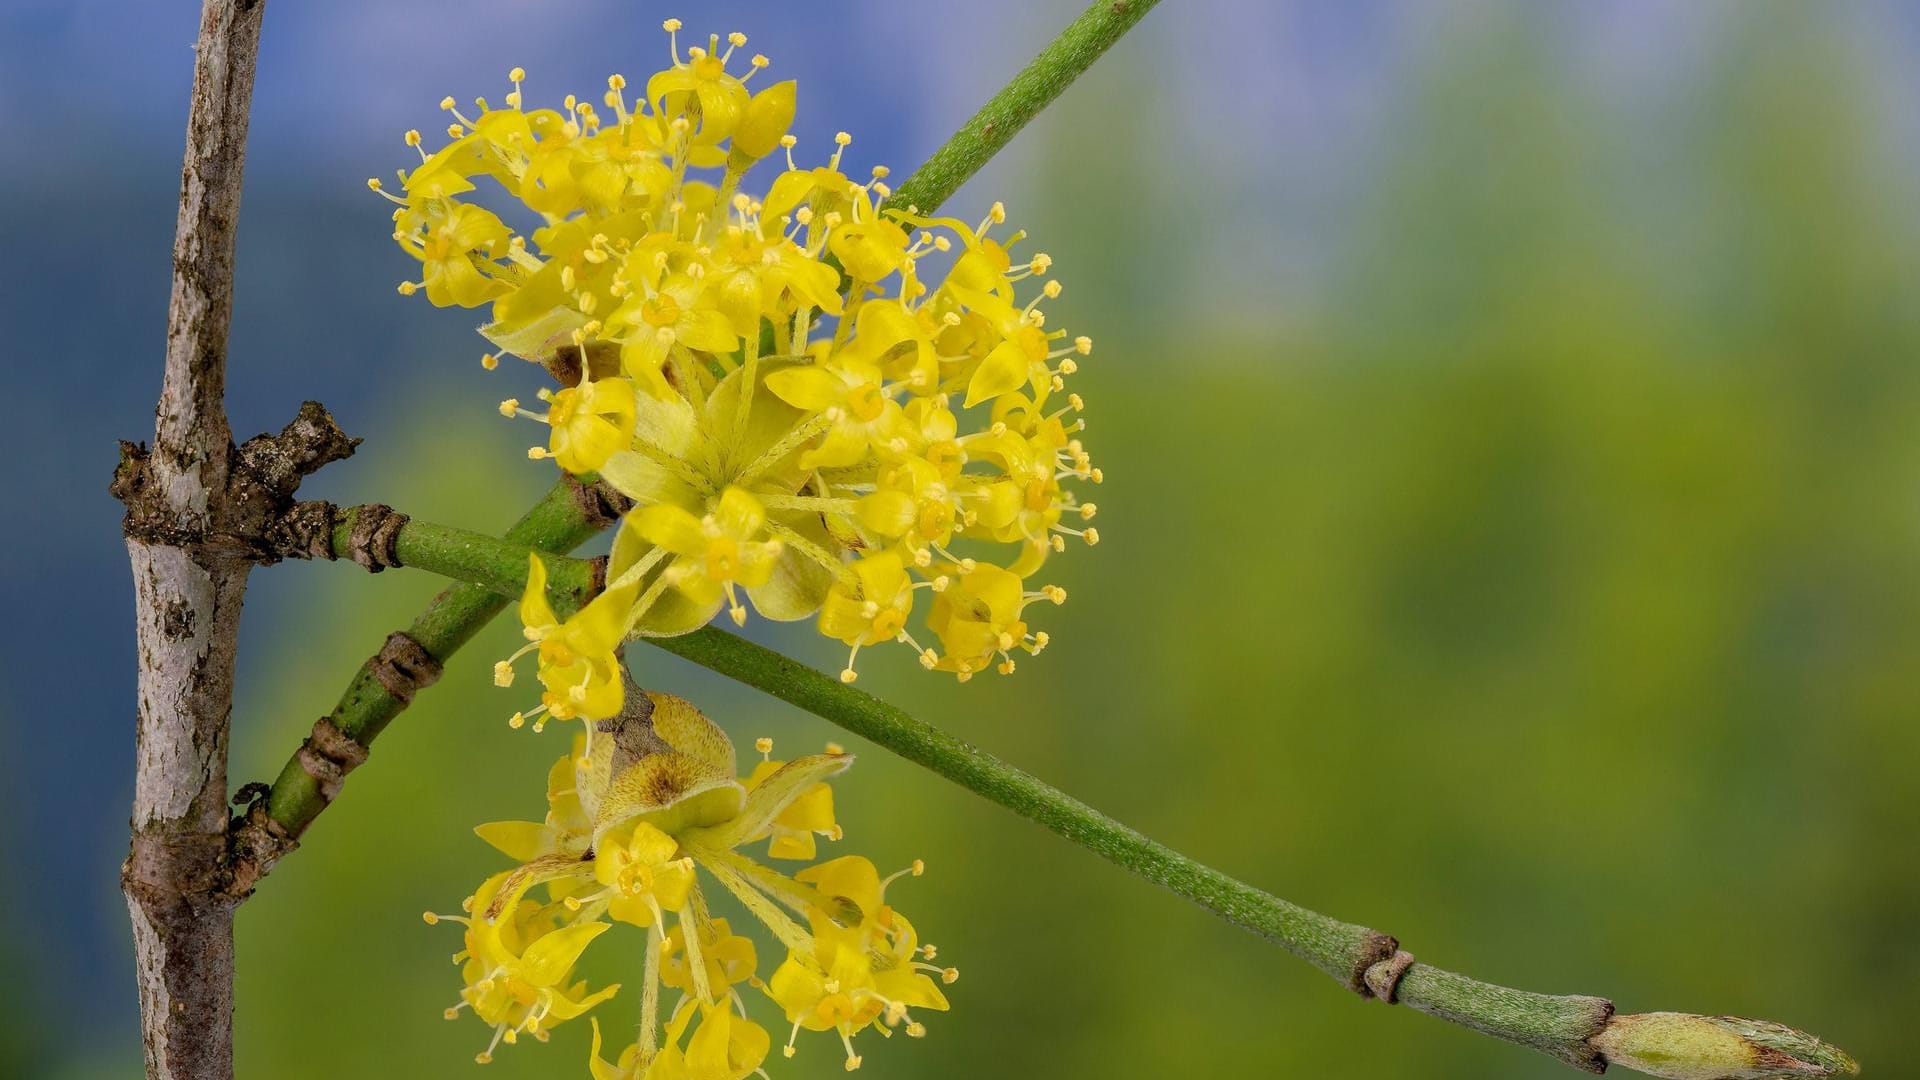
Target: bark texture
(187, 593)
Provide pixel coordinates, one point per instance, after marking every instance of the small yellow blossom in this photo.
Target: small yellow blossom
(787, 447)
(642, 820)
(577, 662)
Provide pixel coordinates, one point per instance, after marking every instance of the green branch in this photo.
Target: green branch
(568, 516)
(471, 557)
(1017, 103)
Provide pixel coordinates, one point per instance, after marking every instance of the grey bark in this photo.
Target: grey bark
(187, 594)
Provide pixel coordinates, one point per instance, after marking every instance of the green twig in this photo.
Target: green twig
(569, 515)
(465, 556)
(1017, 103)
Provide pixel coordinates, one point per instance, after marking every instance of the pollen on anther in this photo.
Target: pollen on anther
(489, 361)
(763, 745)
(517, 74)
(510, 408)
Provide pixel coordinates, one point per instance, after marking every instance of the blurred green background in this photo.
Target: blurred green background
(1511, 540)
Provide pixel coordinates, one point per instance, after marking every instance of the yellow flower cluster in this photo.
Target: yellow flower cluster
(635, 814)
(806, 416)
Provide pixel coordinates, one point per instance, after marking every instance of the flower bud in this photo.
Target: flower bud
(769, 115)
(1682, 1046)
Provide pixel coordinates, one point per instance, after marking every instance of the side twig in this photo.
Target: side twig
(408, 661)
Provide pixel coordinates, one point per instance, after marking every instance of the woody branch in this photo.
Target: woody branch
(199, 514)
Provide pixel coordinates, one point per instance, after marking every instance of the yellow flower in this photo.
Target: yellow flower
(577, 664)
(516, 968)
(874, 609)
(773, 435)
(644, 873)
(791, 832)
(591, 421)
(978, 617)
(863, 964)
(717, 552)
(668, 318)
(642, 821)
(850, 395)
(452, 247)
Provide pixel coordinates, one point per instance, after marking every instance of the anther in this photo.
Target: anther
(763, 744)
(502, 673)
(510, 408)
(1083, 344)
(429, 918)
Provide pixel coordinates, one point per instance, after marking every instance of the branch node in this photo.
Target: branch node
(598, 503)
(305, 531)
(1377, 948)
(1383, 978)
(311, 439)
(403, 667)
(255, 842)
(328, 755)
(376, 529)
